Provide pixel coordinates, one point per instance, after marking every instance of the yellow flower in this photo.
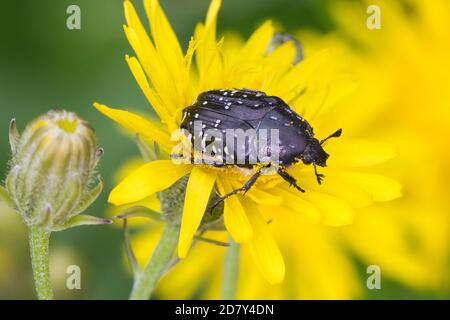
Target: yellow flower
(170, 81)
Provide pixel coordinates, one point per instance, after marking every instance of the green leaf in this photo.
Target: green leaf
(90, 196)
(98, 155)
(14, 136)
(140, 212)
(82, 220)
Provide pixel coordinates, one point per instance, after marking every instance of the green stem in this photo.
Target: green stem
(146, 281)
(39, 251)
(230, 271)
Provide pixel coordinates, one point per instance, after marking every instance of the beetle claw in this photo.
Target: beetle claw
(320, 177)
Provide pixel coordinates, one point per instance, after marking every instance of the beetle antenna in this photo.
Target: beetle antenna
(337, 134)
(319, 176)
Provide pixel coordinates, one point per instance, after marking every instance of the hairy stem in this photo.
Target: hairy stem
(230, 271)
(146, 281)
(39, 251)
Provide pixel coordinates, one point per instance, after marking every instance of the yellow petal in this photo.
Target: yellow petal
(198, 191)
(151, 61)
(257, 44)
(335, 186)
(277, 63)
(148, 179)
(149, 93)
(168, 47)
(358, 153)
(165, 38)
(133, 21)
(208, 56)
(211, 16)
(248, 69)
(189, 83)
(292, 199)
(334, 211)
(263, 197)
(291, 85)
(263, 248)
(136, 124)
(380, 187)
(234, 215)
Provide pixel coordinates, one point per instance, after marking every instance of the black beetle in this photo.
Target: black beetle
(249, 109)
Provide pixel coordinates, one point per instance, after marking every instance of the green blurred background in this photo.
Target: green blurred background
(43, 65)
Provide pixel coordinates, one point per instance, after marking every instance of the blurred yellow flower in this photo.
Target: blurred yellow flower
(403, 68)
(170, 83)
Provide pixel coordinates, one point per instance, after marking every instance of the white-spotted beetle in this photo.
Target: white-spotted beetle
(249, 109)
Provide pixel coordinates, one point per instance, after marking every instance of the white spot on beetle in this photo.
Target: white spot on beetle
(205, 102)
(273, 118)
(196, 116)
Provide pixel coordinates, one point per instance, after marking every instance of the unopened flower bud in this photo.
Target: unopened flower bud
(52, 169)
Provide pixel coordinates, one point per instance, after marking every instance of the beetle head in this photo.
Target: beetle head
(315, 154)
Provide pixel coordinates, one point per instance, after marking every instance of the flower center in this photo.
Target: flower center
(67, 124)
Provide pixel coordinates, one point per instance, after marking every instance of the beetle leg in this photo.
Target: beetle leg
(290, 179)
(319, 176)
(247, 185)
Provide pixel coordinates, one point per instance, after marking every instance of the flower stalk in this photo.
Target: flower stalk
(39, 240)
(146, 281)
